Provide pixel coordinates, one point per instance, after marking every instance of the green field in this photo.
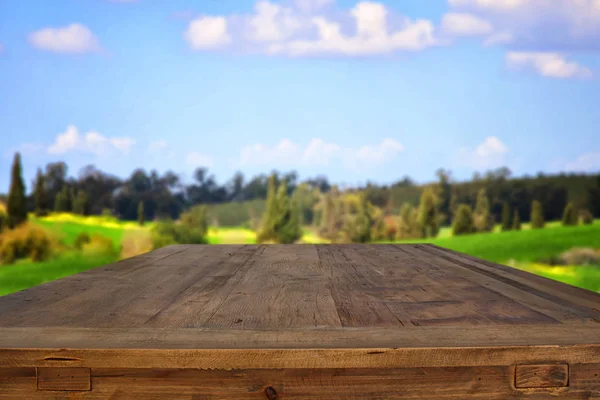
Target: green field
(520, 249)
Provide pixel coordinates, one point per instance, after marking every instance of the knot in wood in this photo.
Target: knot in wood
(271, 393)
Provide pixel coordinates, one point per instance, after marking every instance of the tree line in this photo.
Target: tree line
(403, 209)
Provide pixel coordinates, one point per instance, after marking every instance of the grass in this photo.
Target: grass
(520, 249)
(525, 246)
(587, 277)
(25, 274)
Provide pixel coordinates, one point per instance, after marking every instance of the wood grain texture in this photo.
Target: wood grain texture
(541, 376)
(301, 322)
(479, 383)
(64, 379)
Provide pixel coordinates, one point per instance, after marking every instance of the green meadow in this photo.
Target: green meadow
(527, 249)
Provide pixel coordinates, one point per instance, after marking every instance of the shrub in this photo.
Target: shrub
(569, 216)
(26, 241)
(99, 244)
(537, 215)
(166, 232)
(136, 242)
(463, 222)
(586, 217)
(516, 225)
(82, 239)
(580, 256)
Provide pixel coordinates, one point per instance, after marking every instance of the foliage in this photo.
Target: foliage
(190, 229)
(580, 256)
(516, 224)
(25, 241)
(271, 215)
(569, 216)
(463, 222)
(506, 220)
(358, 223)
(81, 203)
(40, 199)
(61, 200)
(140, 213)
(586, 217)
(408, 224)
(82, 239)
(537, 215)
(428, 213)
(483, 219)
(16, 205)
(287, 227)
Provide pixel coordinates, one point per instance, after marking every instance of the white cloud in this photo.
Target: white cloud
(501, 5)
(207, 33)
(380, 153)
(540, 25)
(302, 30)
(74, 38)
(319, 152)
(589, 162)
(158, 146)
(272, 22)
(465, 24)
(312, 5)
(551, 65)
(197, 159)
(491, 153)
(91, 142)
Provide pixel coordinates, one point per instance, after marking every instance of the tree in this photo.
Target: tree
(428, 213)
(537, 215)
(141, 213)
(81, 203)
(463, 222)
(516, 224)
(40, 199)
(569, 216)
(267, 231)
(587, 218)
(506, 221)
(593, 201)
(483, 218)
(358, 226)
(61, 201)
(444, 195)
(16, 207)
(288, 229)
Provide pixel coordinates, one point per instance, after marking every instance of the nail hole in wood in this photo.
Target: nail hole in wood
(271, 393)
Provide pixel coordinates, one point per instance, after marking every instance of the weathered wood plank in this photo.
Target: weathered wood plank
(64, 379)
(317, 338)
(541, 376)
(300, 358)
(489, 383)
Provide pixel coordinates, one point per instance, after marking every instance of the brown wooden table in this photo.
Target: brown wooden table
(301, 322)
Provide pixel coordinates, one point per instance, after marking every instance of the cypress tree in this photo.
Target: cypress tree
(569, 216)
(288, 229)
(537, 215)
(516, 224)
(428, 214)
(140, 213)
(41, 201)
(506, 222)
(483, 218)
(463, 222)
(16, 205)
(267, 231)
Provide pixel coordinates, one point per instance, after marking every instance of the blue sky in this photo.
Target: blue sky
(353, 90)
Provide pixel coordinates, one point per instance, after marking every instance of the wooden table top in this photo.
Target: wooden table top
(299, 296)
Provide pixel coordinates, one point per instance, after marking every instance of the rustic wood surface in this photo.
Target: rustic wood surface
(301, 322)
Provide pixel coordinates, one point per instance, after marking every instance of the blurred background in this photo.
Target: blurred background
(129, 125)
